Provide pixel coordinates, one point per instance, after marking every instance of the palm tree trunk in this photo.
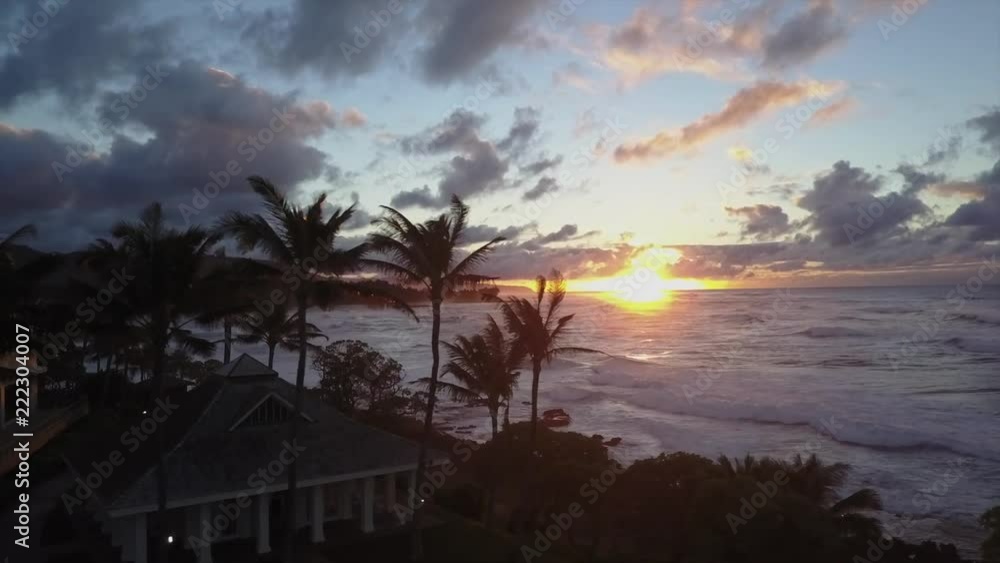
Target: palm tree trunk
(270, 355)
(417, 553)
(536, 371)
(159, 356)
(293, 474)
(227, 327)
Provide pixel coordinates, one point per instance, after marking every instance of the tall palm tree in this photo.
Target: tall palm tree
(279, 328)
(300, 243)
(427, 255)
(167, 291)
(485, 368)
(538, 329)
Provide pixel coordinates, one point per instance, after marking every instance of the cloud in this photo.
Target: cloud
(840, 198)
(744, 156)
(464, 34)
(483, 233)
(195, 123)
(522, 132)
(988, 126)
(541, 165)
(982, 217)
(965, 190)
(833, 111)
(741, 109)
(320, 35)
(572, 75)
(804, 36)
(417, 197)
(651, 43)
(82, 45)
(545, 185)
(761, 221)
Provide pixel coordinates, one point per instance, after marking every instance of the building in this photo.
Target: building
(227, 467)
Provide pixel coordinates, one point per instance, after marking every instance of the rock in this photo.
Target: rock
(555, 418)
(597, 437)
(613, 442)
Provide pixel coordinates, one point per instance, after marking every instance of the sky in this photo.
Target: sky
(751, 143)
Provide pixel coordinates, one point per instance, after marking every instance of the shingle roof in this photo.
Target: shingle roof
(206, 458)
(245, 366)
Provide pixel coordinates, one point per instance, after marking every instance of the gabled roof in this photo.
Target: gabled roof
(245, 366)
(205, 459)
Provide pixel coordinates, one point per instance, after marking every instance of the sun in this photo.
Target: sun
(642, 282)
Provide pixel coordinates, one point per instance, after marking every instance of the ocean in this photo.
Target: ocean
(902, 383)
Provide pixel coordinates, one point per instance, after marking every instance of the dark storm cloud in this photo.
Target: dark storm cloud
(78, 47)
(476, 167)
(483, 233)
(464, 34)
(917, 180)
(840, 199)
(545, 185)
(321, 35)
(565, 233)
(761, 221)
(541, 165)
(526, 124)
(988, 127)
(983, 216)
(804, 36)
(200, 121)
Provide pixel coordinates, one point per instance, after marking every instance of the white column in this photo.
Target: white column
(138, 538)
(368, 505)
(192, 526)
(411, 487)
(205, 546)
(118, 531)
(345, 502)
(317, 512)
(390, 492)
(262, 520)
(244, 523)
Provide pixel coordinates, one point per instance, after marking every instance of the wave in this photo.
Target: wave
(975, 345)
(983, 317)
(890, 310)
(974, 391)
(832, 332)
(874, 436)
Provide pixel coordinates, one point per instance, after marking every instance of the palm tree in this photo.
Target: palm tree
(167, 290)
(818, 482)
(485, 367)
(538, 330)
(279, 328)
(300, 241)
(426, 255)
(7, 244)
